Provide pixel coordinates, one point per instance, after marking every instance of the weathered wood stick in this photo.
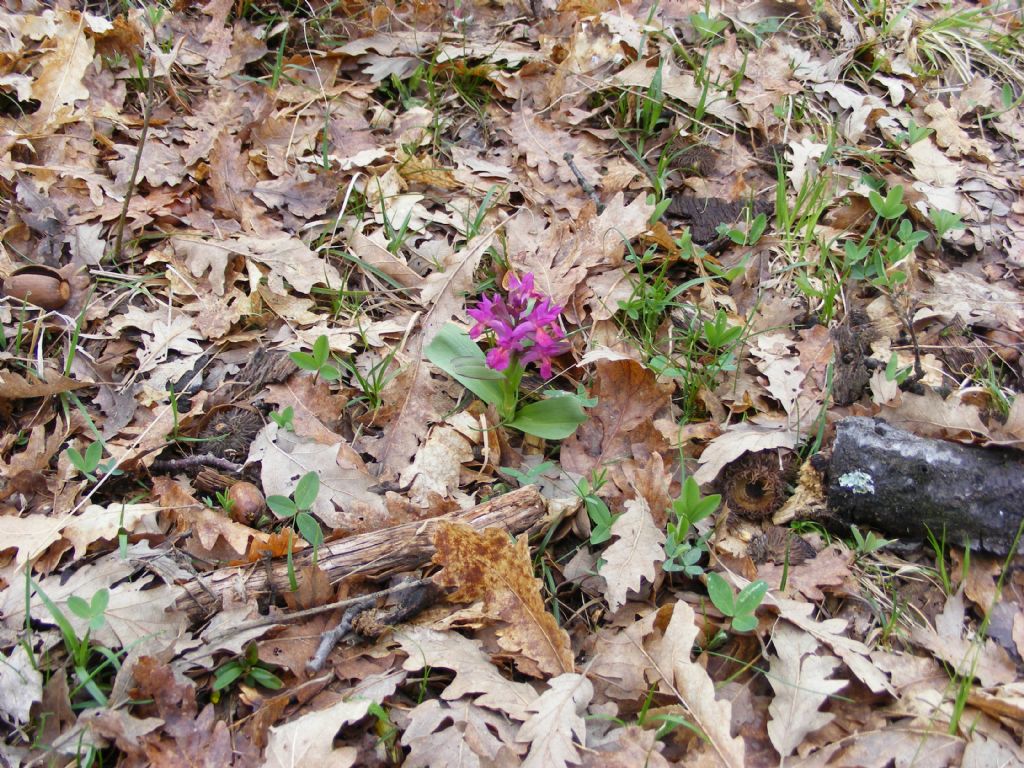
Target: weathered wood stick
(904, 486)
(374, 554)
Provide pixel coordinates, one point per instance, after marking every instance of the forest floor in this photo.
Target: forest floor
(540, 319)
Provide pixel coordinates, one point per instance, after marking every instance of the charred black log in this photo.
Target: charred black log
(905, 486)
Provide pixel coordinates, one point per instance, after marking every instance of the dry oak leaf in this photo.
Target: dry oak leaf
(344, 501)
(680, 85)
(474, 672)
(26, 472)
(21, 685)
(138, 612)
(652, 483)
(559, 717)
(921, 747)
(950, 136)
(309, 740)
(988, 662)
(635, 555)
(30, 536)
(437, 465)
(802, 683)
(59, 72)
(545, 145)
(629, 398)
(487, 566)
(372, 249)
(619, 660)
(14, 386)
(830, 568)
(96, 522)
(931, 165)
(689, 682)
(853, 652)
(474, 736)
(928, 415)
(739, 439)
(288, 259)
(188, 737)
(317, 411)
(214, 536)
(627, 748)
(564, 256)
(1004, 701)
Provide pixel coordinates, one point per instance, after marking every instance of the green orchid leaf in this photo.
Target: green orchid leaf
(553, 419)
(455, 353)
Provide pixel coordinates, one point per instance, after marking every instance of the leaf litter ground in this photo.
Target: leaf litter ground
(757, 218)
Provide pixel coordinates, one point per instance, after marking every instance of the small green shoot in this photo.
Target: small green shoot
(89, 464)
(682, 554)
(740, 608)
(386, 731)
(297, 509)
(81, 649)
(284, 418)
(707, 26)
(891, 206)
(601, 518)
(317, 361)
(941, 549)
(914, 133)
(221, 499)
(93, 611)
(866, 544)
(945, 222)
(372, 382)
(751, 236)
(529, 477)
(893, 371)
(719, 333)
(248, 669)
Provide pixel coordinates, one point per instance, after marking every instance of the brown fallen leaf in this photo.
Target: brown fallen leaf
(629, 399)
(488, 566)
(619, 660)
(558, 719)
(317, 409)
(892, 746)
(214, 535)
(802, 679)
(309, 739)
(25, 471)
(474, 672)
(669, 656)
(626, 748)
(830, 568)
(188, 737)
(739, 439)
(458, 733)
(635, 554)
(14, 386)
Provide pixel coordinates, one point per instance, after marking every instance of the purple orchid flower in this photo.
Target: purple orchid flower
(524, 327)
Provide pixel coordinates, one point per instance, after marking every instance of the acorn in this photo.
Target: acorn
(247, 503)
(37, 285)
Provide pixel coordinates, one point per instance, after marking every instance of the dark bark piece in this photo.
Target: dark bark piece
(704, 214)
(373, 555)
(904, 485)
(852, 339)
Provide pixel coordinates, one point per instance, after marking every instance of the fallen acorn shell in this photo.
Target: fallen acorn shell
(247, 503)
(39, 286)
